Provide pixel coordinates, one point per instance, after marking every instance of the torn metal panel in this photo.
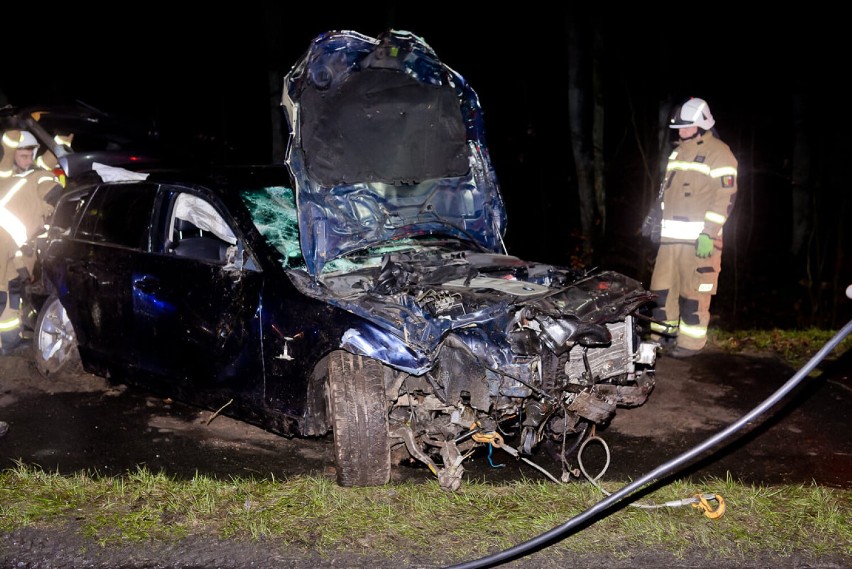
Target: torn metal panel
(386, 142)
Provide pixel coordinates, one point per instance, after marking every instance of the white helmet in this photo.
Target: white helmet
(27, 140)
(19, 139)
(694, 112)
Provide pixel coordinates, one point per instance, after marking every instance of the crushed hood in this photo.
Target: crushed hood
(386, 142)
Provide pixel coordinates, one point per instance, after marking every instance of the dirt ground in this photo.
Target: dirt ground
(87, 424)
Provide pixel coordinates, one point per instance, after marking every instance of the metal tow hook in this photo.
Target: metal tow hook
(704, 504)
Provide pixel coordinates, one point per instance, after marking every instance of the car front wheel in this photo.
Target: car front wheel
(359, 419)
(54, 341)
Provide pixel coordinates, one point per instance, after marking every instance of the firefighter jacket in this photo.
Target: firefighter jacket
(23, 212)
(699, 191)
(7, 157)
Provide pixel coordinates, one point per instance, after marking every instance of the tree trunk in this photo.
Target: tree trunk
(800, 180)
(579, 146)
(599, 230)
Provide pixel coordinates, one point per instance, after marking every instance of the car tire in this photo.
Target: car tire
(359, 420)
(54, 342)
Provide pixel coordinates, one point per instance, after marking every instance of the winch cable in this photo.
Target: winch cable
(607, 504)
(698, 501)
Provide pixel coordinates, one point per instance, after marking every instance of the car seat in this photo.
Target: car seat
(190, 241)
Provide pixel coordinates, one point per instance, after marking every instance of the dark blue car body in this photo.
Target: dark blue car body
(362, 288)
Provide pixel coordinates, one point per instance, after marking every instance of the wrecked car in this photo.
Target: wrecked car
(360, 289)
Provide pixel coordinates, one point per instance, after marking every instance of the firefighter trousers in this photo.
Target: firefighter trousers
(10, 296)
(685, 285)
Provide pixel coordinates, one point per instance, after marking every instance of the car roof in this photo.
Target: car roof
(217, 178)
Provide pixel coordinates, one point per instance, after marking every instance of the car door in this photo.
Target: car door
(197, 315)
(111, 236)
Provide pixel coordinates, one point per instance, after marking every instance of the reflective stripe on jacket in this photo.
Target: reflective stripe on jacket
(9, 222)
(701, 189)
(23, 209)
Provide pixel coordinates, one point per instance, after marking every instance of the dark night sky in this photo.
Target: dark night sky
(210, 67)
(207, 73)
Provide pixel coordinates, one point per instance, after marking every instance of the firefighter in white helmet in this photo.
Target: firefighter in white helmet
(19, 150)
(25, 191)
(698, 194)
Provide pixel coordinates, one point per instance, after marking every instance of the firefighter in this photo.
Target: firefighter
(24, 194)
(19, 148)
(699, 191)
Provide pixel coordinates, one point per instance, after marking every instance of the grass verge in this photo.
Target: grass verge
(795, 347)
(314, 513)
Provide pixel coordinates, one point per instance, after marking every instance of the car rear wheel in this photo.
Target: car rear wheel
(359, 419)
(54, 341)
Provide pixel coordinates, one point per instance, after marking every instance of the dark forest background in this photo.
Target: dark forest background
(575, 104)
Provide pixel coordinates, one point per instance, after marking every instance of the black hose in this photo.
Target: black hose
(562, 531)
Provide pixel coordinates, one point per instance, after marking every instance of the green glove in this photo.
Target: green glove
(703, 246)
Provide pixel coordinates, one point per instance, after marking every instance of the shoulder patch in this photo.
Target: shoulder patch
(727, 181)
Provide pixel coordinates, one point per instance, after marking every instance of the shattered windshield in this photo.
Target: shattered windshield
(273, 211)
